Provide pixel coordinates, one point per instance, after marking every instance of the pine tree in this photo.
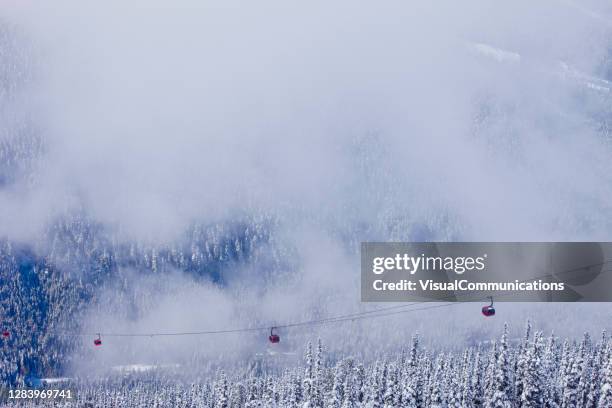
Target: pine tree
(221, 392)
(308, 381)
(502, 396)
(350, 393)
(453, 383)
(571, 389)
(412, 377)
(427, 372)
(410, 386)
(252, 394)
(585, 351)
(359, 383)
(414, 351)
(373, 397)
(308, 361)
(550, 370)
(319, 380)
(565, 364)
(532, 395)
(521, 361)
(605, 394)
(392, 393)
(271, 394)
(237, 395)
(466, 379)
(295, 390)
(437, 398)
(597, 369)
(477, 384)
(489, 374)
(336, 396)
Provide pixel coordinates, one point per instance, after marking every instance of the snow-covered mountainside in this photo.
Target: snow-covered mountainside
(179, 183)
(534, 371)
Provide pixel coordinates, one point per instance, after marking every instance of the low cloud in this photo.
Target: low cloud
(343, 122)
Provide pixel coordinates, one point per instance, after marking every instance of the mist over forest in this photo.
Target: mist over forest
(214, 166)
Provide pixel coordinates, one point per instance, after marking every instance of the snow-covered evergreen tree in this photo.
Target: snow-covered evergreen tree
(222, 392)
(373, 393)
(477, 384)
(521, 362)
(359, 383)
(237, 395)
(502, 393)
(481, 377)
(437, 386)
(532, 395)
(392, 392)
(308, 384)
(605, 394)
(318, 388)
(571, 383)
(467, 399)
(336, 397)
(597, 369)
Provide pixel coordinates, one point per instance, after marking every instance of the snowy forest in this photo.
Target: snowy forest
(534, 371)
(179, 184)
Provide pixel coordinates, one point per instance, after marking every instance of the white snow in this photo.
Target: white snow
(495, 53)
(139, 368)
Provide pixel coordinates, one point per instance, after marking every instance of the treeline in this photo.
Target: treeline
(47, 290)
(536, 371)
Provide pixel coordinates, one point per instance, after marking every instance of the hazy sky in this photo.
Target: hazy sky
(473, 121)
(154, 116)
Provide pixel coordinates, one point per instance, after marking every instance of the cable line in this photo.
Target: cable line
(380, 312)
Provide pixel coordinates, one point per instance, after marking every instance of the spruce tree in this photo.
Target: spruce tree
(521, 361)
(308, 381)
(410, 386)
(467, 373)
(350, 391)
(221, 392)
(476, 383)
(319, 380)
(532, 395)
(373, 397)
(359, 383)
(336, 396)
(597, 368)
(605, 394)
(571, 389)
(502, 396)
(550, 373)
(437, 398)
(392, 393)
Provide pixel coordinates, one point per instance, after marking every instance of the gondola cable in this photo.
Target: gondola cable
(381, 312)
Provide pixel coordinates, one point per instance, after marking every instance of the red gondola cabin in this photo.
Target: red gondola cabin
(98, 341)
(489, 310)
(274, 338)
(5, 334)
